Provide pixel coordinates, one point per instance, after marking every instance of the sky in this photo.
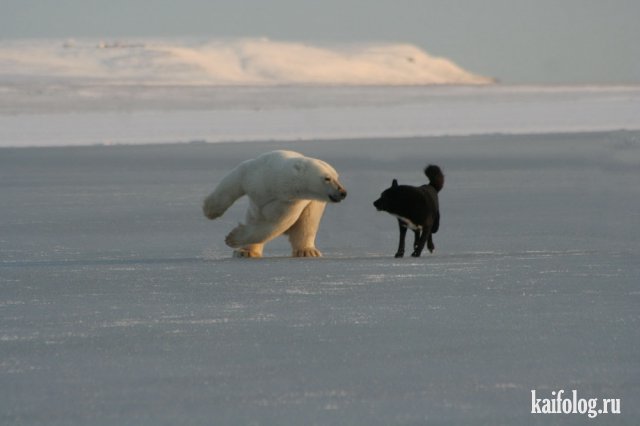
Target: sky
(514, 41)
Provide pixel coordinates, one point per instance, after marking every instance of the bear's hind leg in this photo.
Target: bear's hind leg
(264, 224)
(251, 250)
(302, 235)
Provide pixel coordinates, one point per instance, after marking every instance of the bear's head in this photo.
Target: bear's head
(317, 180)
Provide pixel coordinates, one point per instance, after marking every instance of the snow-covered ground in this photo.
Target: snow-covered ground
(225, 62)
(78, 114)
(140, 91)
(120, 304)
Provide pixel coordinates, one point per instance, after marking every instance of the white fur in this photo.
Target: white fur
(409, 224)
(287, 194)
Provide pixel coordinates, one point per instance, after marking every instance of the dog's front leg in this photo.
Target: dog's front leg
(403, 233)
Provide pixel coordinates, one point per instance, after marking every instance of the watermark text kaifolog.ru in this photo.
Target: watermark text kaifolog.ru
(562, 402)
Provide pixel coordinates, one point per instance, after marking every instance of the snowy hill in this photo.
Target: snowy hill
(226, 62)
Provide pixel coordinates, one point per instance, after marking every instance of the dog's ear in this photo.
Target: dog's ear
(394, 183)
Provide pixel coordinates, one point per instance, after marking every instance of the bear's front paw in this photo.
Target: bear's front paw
(214, 207)
(211, 212)
(235, 237)
(307, 252)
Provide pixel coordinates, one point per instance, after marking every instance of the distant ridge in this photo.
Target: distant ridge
(226, 62)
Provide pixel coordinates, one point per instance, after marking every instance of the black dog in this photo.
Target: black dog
(416, 208)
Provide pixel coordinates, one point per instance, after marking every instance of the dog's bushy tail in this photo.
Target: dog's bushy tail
(435, 175)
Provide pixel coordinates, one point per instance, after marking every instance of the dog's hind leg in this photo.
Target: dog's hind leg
(416, 238)
(403, 233)
(425, 237)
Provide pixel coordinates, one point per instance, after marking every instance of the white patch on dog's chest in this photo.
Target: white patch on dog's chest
(409, 224)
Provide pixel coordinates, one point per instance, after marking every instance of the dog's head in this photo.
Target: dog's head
(435, 175)
(388, 198)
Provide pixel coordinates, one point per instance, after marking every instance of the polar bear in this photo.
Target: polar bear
(287, 195)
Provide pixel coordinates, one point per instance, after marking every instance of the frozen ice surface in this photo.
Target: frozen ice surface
(120, 304)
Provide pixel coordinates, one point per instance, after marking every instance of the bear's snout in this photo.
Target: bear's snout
(339, 195)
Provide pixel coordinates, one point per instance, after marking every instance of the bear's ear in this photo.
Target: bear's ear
(394, 183)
